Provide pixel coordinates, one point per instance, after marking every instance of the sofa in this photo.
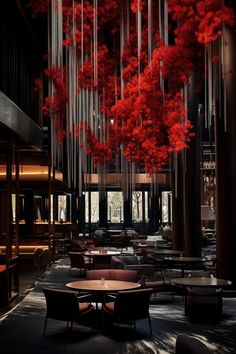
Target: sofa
(132, 262)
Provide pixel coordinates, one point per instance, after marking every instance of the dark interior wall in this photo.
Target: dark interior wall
(20, 60)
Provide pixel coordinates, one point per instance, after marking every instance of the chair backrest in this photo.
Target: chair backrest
(38, 254)
(125, 275)
(132, 304)
(76, 259)
(102, 261)
(112, 274)
(61, 304)
(95, 274)
(189, 345)
(128, 260)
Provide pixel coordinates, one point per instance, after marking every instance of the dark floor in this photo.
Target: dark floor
(27, 277)
(21, 328)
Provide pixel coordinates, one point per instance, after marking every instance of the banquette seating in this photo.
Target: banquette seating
(113, 274)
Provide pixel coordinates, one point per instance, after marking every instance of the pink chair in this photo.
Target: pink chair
(77, 261)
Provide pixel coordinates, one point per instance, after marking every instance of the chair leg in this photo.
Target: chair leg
(45, 325)
(150, 326)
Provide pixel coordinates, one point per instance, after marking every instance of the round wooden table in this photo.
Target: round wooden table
(201, 282)
(101, 287)
(98, 286)
(184, 261)
(104, 254)
(165, 252)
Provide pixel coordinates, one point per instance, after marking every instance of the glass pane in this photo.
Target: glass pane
(146, 205)
(166, 207)
(13, 205)
(115, 207)
(137, 211)
(62, 207)
(94, 207)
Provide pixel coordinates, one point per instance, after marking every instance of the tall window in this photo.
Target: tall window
(62, 208)
(115, 207)
(13, 205)
(94, 207)
(166, 207)
(139, 204)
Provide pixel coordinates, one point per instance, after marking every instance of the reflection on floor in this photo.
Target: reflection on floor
(21, 329)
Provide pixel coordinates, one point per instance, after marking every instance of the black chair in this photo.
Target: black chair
(129, 306)
(189, 345)
(64, 305)
(203, 304)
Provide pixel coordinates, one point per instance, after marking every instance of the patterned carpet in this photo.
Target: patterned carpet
(21, 328)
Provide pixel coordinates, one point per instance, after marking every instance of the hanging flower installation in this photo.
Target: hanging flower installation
(123, 77)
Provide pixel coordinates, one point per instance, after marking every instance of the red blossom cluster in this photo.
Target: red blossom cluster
(148, 121)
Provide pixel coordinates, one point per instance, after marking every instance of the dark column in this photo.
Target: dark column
(29, 213)
(102, 209)
(226, 166)
(153, 214)
(192, 225)
(177, 204)
(74, 208)
(81, 216)
(128, 213)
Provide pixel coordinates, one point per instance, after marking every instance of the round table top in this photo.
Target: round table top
(166, 252)
(102, 286)
(101, 253)
(182, 259)
(195, 281)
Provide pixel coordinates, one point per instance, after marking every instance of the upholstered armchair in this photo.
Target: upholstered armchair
(132, 263)
(64, 305)
(128, 306)
(203, 304)
(77, 261)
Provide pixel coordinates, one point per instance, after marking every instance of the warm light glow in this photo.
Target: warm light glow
(31, 172)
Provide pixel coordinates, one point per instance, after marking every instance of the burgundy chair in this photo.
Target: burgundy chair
(113, 274)
(64, 305)
(189, 345)
(128, 306)
(77, 261)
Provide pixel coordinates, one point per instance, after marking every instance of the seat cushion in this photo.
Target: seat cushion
(85, 307)
(109, 307)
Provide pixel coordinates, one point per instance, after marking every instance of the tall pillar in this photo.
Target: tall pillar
(128, 213)
(81, 214)
(153, 214)
(102, 209)
(192, 225)
(177, 204)
(29, 213)
(226, 164)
